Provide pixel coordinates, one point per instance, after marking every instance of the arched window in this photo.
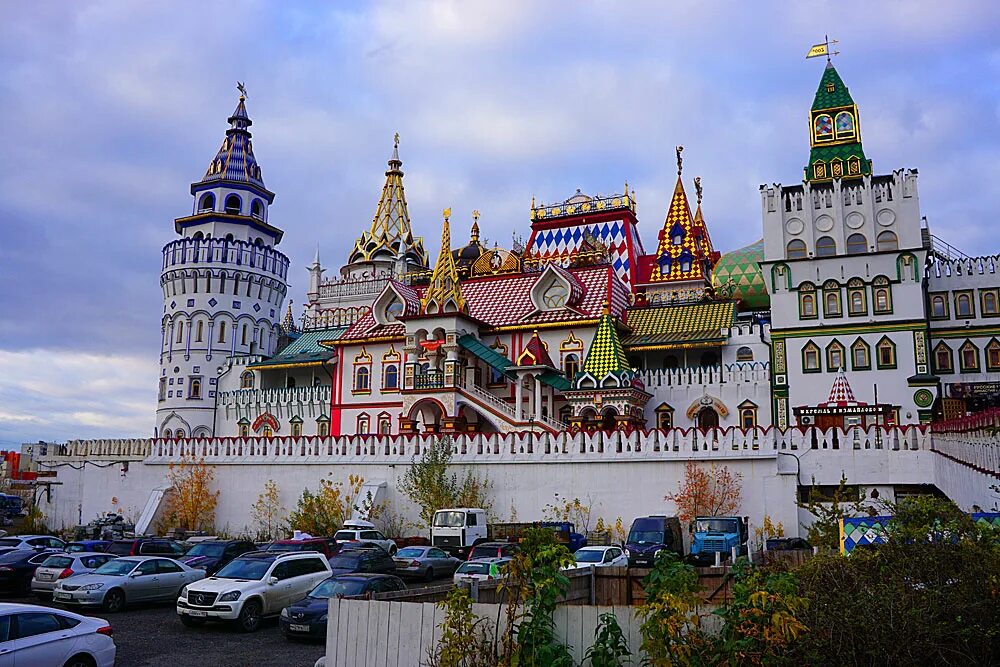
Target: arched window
(200, 331)
(257, 209)
(364, 424)
(990, 305)
(571, 366)
(810, 358)
(823, 127)
(748, 415)
(207, 202)
(856, 303)
(195, 389)
(807, 305)
(233, 205)
(180, 331)
(391, 378)
(883, 295)
(664, 416)
(857, 244)
(845, 125)
(222, 332)
(826, 247)
(796, 249)
(993, 356)
(246, 380)
(744, 354)
(969, 356)
(835, 357)
(296, 426)
(963, 305)
(168, 434)
(831, 299)
(179, 434)
(323, 426)
(943, 362)
(886, 353)
(860, 359)
(384, 424)
(362, 379)
(939, 306)
(887, 241)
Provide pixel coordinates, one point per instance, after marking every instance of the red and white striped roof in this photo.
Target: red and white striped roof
(841, 394)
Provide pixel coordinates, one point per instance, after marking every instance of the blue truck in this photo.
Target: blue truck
(717, 534)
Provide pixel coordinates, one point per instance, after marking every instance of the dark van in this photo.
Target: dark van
(651, 534)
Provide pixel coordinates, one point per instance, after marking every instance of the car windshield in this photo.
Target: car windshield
(210, 550)
(449, 519)
(57, 561)
(116, 568)
(334, 587)
(244, 568)
(645, 537)
(589, 556)
(715, 526)
(410, 552)
(73, 548)
(10, 542)
(469, 567)
(345, 535)
(120, 548)
(294, 546)
(346, 561)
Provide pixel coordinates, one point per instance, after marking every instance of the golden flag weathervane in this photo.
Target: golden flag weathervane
(823, 49)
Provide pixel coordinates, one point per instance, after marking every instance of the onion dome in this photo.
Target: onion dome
(737, 275)
(235, 161)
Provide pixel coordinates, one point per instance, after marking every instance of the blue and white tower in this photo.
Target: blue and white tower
(223, 284)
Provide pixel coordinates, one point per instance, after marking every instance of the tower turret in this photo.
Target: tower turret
(223, 284)
(835, 132)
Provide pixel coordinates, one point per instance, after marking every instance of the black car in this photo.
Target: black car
(211, 555)
(307, 617)
(494, 550)
(147, 546)
(368, 559)
(18, 567)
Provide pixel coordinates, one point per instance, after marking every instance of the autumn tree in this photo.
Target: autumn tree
(576, 511)
(712, 491)
(324, 511)
(432, 483)
(191, 502)
(268, 511)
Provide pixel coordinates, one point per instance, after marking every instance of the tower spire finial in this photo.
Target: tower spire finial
(697, 188)
(243, 90)
(680, 160)
(474, 234)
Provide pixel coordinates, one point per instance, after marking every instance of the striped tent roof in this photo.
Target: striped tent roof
(235, 160)
(841, 394)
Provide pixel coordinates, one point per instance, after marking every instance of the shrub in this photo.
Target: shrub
(610, 648)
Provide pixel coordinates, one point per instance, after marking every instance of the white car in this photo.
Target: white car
(252, 586)
(36, 542)
(482, 569)
(33, 635)
(62, 566)
(364, 531)
(601, 557)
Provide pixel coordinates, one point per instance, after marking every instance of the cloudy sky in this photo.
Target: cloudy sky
(109, 110)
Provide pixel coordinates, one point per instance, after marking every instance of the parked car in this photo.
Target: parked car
(18, 566)
(493, 550)
(650, 535)
(62, 566)
(601, 557)
(147, 546)
(787, 544)
(363, 559)
(306, 618)
(364, 531)
(254, 585)
(90, 546)
(34, 635)
(36, 542)
(483, 569)
(127, 580)
(324, 545)
(426, 562)
(210, 555)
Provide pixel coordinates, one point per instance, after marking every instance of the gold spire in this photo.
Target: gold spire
(474, 234)
(444, 294)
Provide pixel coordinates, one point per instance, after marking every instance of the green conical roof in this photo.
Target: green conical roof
(606, 354)
(831, 92)
(835, 131)
(737, 275)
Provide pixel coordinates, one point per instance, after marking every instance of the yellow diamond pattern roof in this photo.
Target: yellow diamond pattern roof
(677, 326)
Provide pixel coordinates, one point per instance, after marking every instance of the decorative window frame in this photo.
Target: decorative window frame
(741, 355)
(963, 367)
(846, 134)
(363, 424)
(501, 380)
(992, 345)
(801, 250)
(295, 426)
(967, 293)
(247, 380)
(995, 293)
(391, 358)
(664, 416)
(930, 303)
(860, 344)
(812, 347)
(856, 286)
(907, 261)
(938, 369)
(323, 426)
(835, 345)
(806, 290)
(384, 418)
(570, 345)
(881, 283)
(885, 343)
(362, 362)
(747, 409)
(854, 236)
(831, 288)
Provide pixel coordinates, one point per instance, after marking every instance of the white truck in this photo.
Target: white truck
(457, 529)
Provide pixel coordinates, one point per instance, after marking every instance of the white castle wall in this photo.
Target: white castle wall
(626, 475)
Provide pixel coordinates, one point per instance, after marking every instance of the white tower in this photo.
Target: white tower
(223, 284)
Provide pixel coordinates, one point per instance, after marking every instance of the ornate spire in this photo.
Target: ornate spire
(444, 294)
(235, 160)
(605, 354)
(390, 233)
(288, 324)
(684, 243)
(835, 132)
(474, 232)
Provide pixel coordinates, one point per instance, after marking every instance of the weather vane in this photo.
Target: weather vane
(395, 140)
(680, 160)
(823, 49)
(475, 215)
(446, 213)
(243, 89)
(697, 188)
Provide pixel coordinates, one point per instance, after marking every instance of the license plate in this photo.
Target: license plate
(42, 576)
(63, 596)
(298, 628)
(199, 614)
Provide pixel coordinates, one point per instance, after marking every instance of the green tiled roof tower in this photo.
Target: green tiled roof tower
(737, 275)
(606, 354)
(835, 132)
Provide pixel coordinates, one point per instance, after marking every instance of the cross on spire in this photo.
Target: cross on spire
(243, 90)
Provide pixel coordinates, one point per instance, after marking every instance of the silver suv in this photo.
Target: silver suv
(254, 585)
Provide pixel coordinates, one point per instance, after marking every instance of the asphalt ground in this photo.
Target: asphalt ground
(152, 636)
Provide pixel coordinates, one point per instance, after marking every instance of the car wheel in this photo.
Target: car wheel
(392, 550)
(429, 574)
(191, 621)
(249, 619)
(114, 601)
(80, 661)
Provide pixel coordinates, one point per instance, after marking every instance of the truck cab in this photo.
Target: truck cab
(650, 535)
(717, 534)
(457, 529)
